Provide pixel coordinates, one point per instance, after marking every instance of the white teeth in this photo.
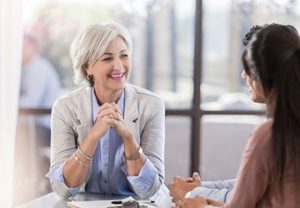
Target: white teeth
(117, 75)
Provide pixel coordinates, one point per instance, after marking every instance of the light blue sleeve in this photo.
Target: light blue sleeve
(225, 184)
(144, 181)
(56, 174)
(215, 190)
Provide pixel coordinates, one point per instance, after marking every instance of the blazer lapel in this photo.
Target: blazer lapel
(84, 113)
(131, 113)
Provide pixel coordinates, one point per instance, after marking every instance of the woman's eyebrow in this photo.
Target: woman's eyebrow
(107, 53)
(110, 54)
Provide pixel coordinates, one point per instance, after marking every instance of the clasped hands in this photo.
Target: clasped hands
(109, 116)
(179, 187)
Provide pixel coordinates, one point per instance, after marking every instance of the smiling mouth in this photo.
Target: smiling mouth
(117, 76)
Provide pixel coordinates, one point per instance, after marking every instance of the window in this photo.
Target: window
(188, 52)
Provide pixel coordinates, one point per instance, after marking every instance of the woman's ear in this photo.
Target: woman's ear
(87, 69)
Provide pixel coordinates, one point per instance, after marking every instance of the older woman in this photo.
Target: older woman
(107, 137)
(269, 174)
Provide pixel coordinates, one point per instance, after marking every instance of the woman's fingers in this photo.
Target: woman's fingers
(106, 113)
(116, 108)
(109, 109)
(103, 107)
(117, 117)
(214, 203)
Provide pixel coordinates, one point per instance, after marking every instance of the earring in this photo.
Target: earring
(89, 77)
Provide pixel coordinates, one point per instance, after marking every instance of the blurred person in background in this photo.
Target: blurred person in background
(40, 86)
(269, 174)
(108, 136)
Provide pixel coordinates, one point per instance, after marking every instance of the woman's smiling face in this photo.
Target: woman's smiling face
(112, 69)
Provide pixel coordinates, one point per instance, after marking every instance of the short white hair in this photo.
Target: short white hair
(91, 43)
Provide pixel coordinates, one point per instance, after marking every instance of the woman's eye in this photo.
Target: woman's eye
(107, 59)
(124, 56)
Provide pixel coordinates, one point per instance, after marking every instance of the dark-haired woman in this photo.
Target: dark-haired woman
(269, 174)
(219, 190)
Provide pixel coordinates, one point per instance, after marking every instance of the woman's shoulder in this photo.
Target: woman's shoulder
(74, 96)
(264, 128)
(75, 92)
(141, 92)
(261, 135)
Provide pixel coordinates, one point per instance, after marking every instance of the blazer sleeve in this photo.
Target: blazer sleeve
(152, 139)
(63, 144)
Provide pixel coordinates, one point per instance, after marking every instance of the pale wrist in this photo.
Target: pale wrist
(128, 138)
(92, 138)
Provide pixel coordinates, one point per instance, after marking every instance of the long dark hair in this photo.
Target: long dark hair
(273, 56)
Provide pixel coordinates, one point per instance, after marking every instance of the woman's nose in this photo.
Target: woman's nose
(118, 64)
(243, 74)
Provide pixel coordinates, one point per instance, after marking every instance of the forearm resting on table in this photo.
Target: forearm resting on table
(74, 173)
(77, 166)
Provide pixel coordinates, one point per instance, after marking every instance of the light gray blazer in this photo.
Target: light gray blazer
(71, 120)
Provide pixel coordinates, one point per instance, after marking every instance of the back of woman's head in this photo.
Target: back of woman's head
(273, 56)
(274, 52)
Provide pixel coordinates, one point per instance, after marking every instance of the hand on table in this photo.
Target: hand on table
(198, 202)
(180, 186)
